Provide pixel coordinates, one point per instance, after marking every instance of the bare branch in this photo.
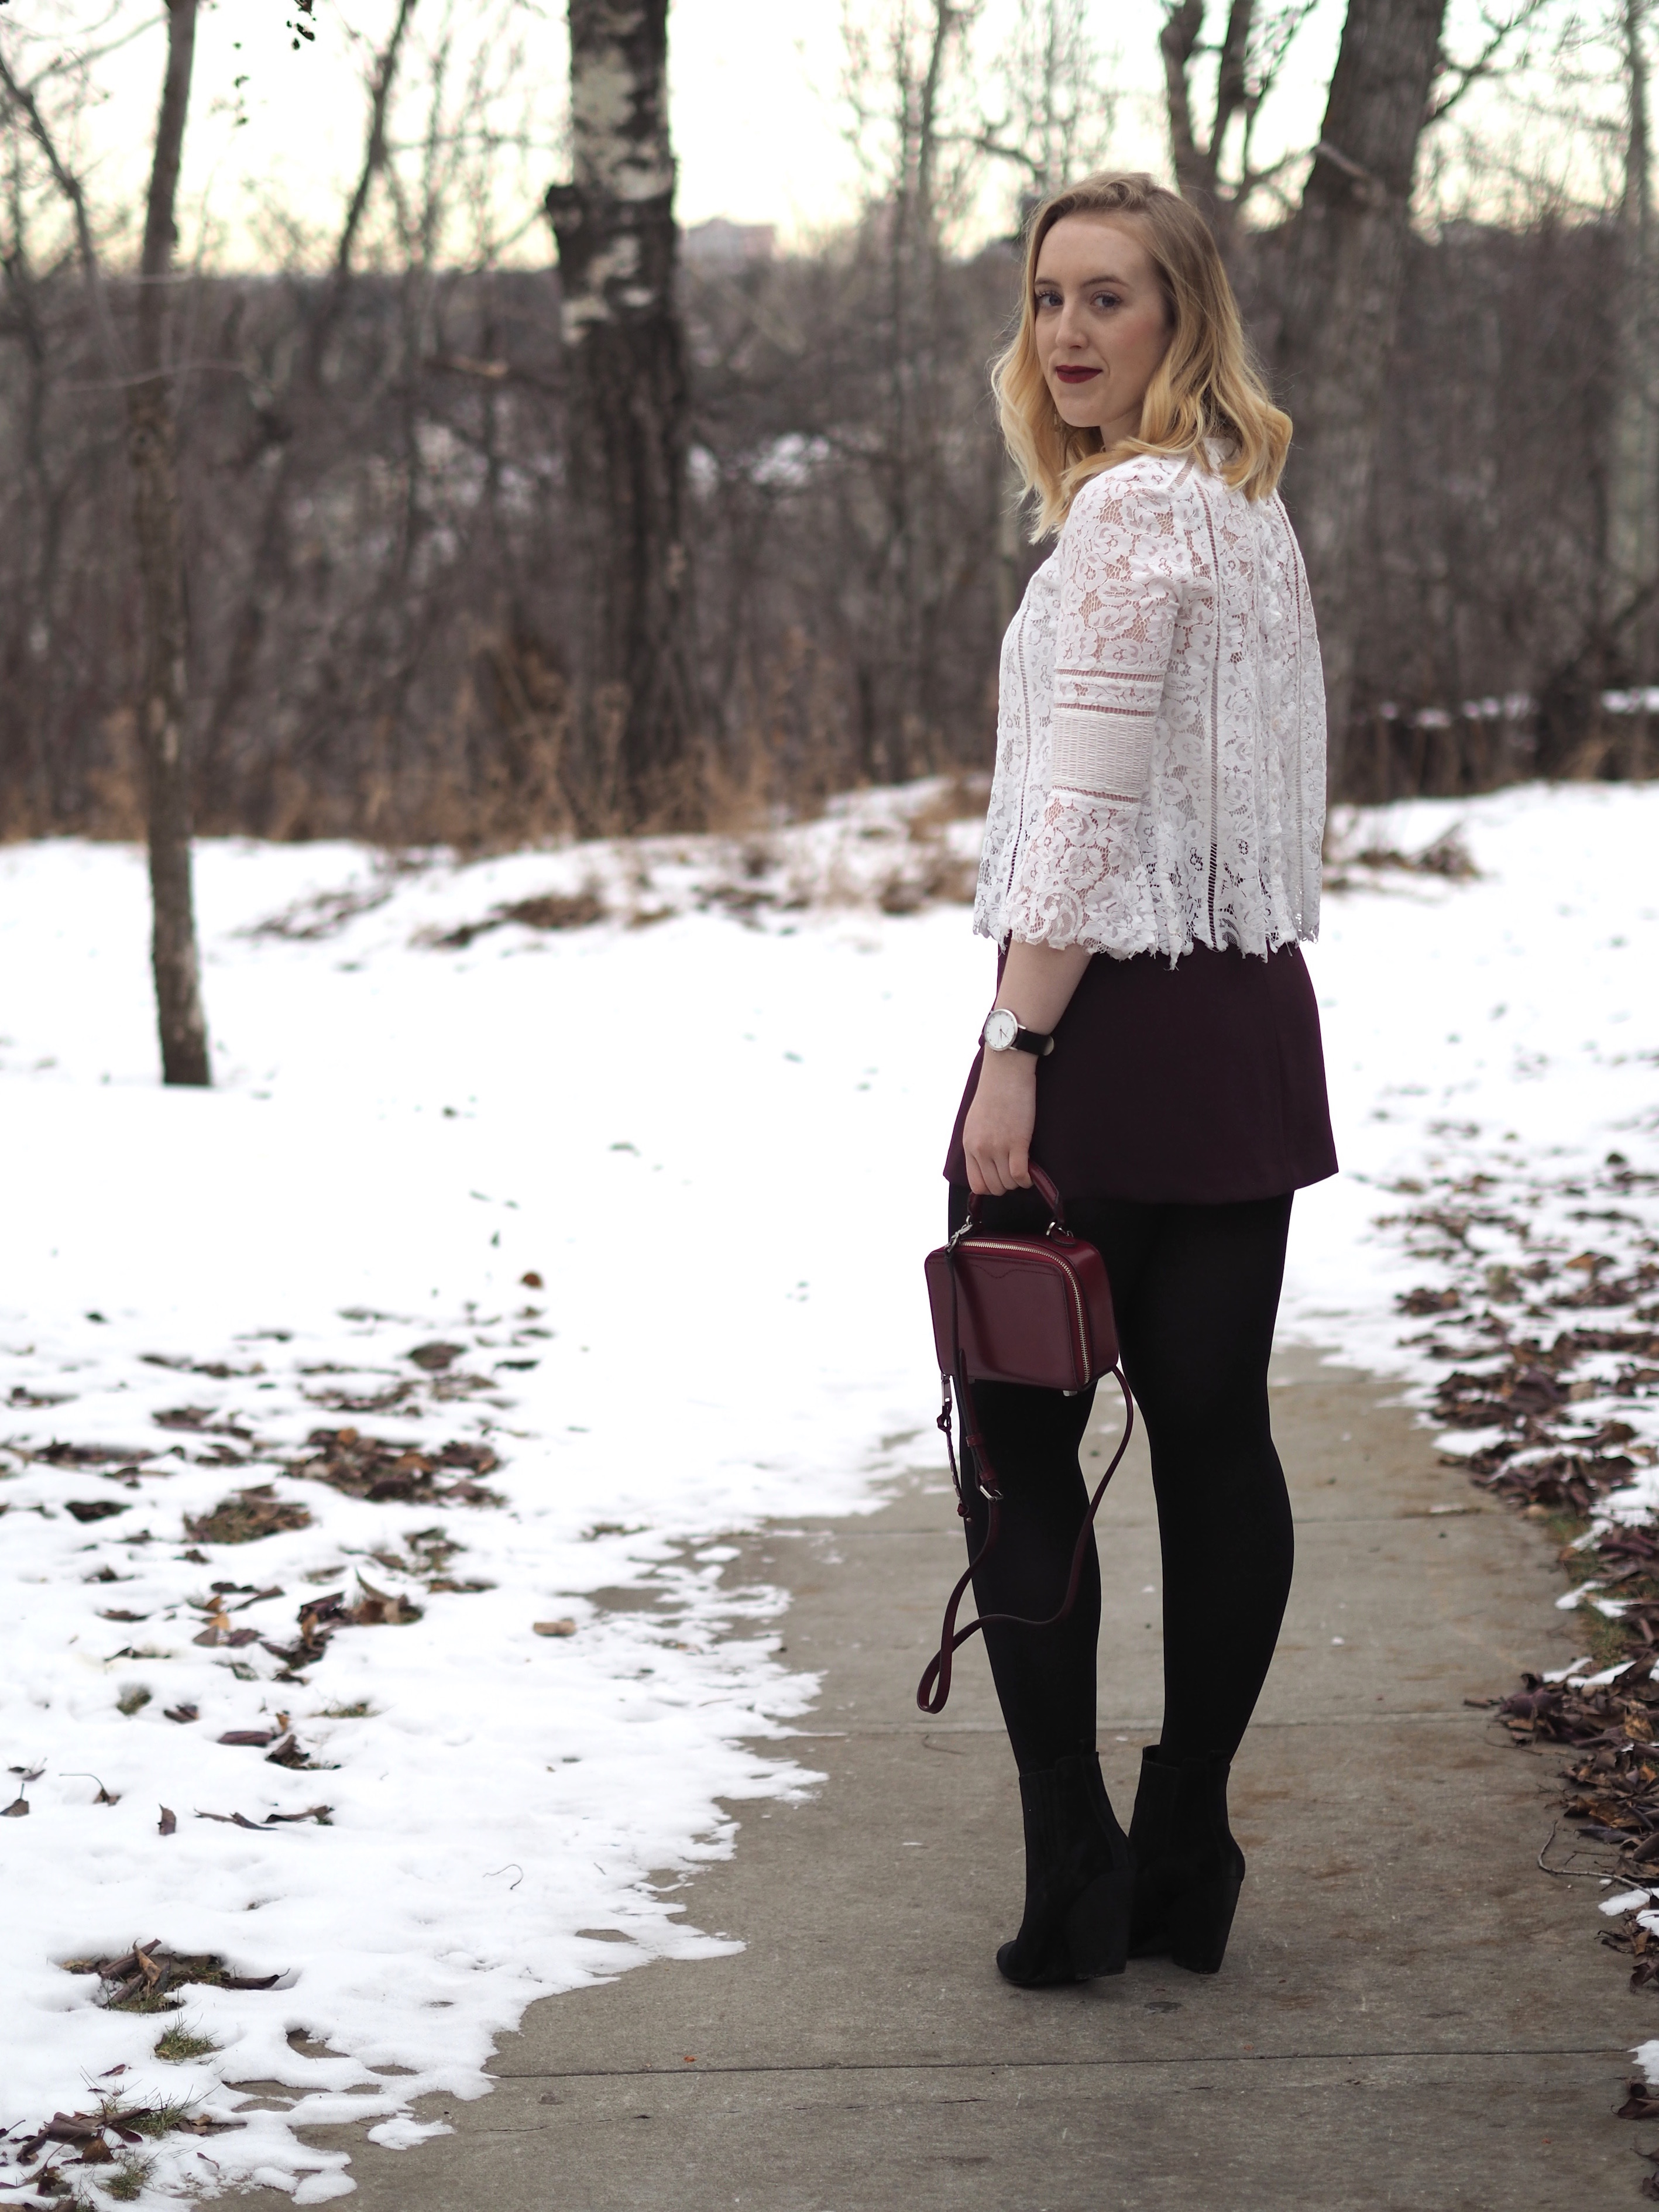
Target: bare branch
(382, 78)
(1465, 74)
(22, 98)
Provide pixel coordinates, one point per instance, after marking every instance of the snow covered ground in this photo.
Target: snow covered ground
(646, 1199)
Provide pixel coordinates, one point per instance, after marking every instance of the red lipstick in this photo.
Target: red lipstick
(1076, 375)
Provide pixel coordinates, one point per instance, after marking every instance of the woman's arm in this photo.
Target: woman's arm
(1037, 983)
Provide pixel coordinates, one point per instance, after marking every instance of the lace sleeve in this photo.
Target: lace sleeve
(1080, 880)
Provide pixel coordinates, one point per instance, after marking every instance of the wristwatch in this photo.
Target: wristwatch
(1002, 1033)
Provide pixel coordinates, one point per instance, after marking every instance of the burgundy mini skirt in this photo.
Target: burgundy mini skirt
(1199, 1084)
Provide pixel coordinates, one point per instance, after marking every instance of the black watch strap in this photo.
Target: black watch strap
(1031, 1041)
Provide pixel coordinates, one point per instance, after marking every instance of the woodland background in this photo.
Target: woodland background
(386, 566)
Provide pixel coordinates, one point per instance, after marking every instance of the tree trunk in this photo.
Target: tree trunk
(1633, 532)
(626, 425)
(1347, 262)
(1198, 168)
(162, 698)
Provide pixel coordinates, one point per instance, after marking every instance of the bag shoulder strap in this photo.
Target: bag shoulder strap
(934, 1686)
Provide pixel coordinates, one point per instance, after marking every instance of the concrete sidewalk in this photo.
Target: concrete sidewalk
(1411, 2015)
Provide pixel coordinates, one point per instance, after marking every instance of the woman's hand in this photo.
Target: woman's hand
(1037, 980)
(997, 1134)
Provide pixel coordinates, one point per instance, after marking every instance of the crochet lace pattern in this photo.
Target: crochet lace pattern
(1160, 770)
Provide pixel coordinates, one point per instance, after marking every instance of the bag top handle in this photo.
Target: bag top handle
(1046, 1190)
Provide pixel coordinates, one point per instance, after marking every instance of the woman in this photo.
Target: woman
(1150, 861)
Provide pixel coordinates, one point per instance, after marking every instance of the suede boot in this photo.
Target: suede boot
(1188, 1870)
(1079, 1879)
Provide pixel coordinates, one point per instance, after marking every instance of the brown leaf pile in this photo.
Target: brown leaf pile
(1612, 1785)
(319, 1617)
(244, 1518)
(1508, 1374)
(90, 2134)
(144, 1978)
(1529, 1397)
(63, 1454)
(375, 1469)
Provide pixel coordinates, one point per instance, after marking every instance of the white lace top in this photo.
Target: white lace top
(1160, 771)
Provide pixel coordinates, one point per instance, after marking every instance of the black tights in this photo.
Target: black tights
(1196, 1289)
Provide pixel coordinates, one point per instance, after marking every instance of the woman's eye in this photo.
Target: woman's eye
(1106, 300)
(1048, 299)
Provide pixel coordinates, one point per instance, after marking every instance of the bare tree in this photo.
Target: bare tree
(626, 412)
(1216, 169)
(162, 694)
(1058, 102)
(1346, 261)
(303, 386)
(906, 100)
(1633, 522)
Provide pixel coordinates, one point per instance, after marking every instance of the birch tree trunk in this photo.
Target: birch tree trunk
(626, 415)
(1347, 262)
(162, 697)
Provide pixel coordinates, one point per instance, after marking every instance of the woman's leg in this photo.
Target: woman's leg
(1196, 1321)
(1080, 1869)
(1044, 1677)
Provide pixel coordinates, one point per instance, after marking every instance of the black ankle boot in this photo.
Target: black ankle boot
(1079, 1878)
(1188, 1870)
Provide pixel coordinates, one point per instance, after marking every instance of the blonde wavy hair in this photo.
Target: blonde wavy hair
(1207, 386)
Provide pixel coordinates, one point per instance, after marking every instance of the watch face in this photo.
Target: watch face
(1001, 1030)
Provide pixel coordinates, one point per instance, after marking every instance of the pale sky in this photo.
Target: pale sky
(757, 123)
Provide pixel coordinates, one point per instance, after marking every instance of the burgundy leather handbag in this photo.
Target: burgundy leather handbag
(1036, 1309)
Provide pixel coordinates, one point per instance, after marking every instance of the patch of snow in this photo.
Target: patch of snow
(717, 1146)
(711, 1122)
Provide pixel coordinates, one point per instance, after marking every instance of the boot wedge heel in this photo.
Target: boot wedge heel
(1201, 1921)
(1098, 1926)
(1079, 1880)
(1188, 1870)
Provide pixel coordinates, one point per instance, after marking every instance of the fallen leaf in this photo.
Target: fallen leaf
(183, 1713)
(17, 1810)
(435, 1358)
(319, 1813)
(554, 1627)
(95, 1509)
(119, 1613)
(532, 1281)
(291, 1753)
(71, 2127)
(169, 1822)
(97, 2153)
